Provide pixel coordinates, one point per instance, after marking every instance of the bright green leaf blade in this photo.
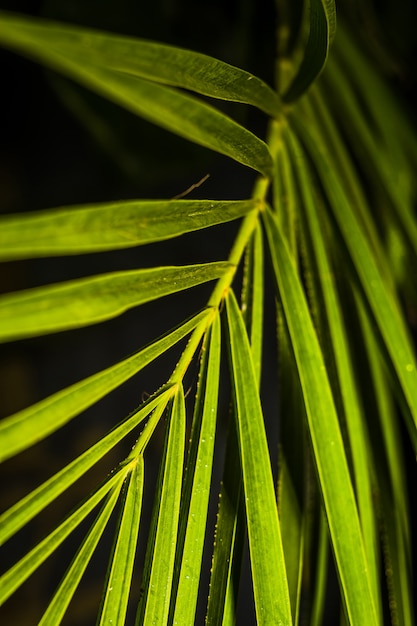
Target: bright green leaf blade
(78, 303)
(27, 427)
(63, 596)
(322, 30)
(78, 230)
(166, 106)
(198, 480)
(332, 323)
(231, 523)
(120, 579)
(159, 586)
(154, 61)
(380, 299)
(268, 574)
(325, 434)
(294, 459)
(18, 573)
(253, 297)
(285, 198)
(23, 511)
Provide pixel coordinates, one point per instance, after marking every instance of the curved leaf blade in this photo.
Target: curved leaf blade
(78, 230)
(23, 511)
(18, 573)
(27, 427)
(378, 295)
(68, 586)
(322, 30)
(335, 483)
(78, 303)
(332, 324)
(120, 579)
(231, 523)
(253, 297)
(198, 479)
(270, 586)
(154, 61)
(296, 517)
(175, 111)
(155, 603)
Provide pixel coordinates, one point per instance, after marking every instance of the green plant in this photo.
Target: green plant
(333, 209)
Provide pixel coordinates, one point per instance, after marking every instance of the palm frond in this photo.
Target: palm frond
(311, 448)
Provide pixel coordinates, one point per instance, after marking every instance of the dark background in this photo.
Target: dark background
(62, 145)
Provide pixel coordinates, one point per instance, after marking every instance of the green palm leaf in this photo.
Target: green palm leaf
(155, 603)
(162, 105)
(63, 596)
(383, 304)
(343, 374)
(117, 590)
(322, 29)
(165, 106)
(77, 230)
(17, 574)
(156, 62)
(269, 578)
(197, 483)
(325, 434)
(23, 511)
(90, 300)
(27, 427)
(311, 452)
